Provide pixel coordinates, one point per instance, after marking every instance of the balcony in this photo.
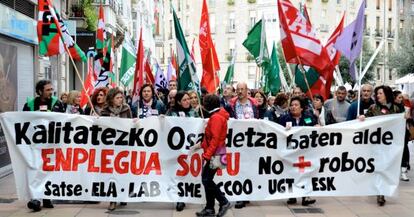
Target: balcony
(231, 29)
(378, 33)
(390, 34)
(367, 32)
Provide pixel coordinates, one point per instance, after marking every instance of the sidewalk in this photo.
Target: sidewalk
(401, 206)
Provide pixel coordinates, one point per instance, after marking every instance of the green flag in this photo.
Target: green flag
(128, 58)
(272, 73)
(311, 75)
(188, 79)
(255, 43)
(228, 79)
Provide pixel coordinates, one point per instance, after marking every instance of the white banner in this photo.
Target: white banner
(75, 157)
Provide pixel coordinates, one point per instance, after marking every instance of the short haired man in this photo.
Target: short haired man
(227, 95)
(44, 101)
(242, 106)
(337, 108)
(172, 85)
(366, 102)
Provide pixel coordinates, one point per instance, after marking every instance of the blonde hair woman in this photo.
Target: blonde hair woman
(73, 102)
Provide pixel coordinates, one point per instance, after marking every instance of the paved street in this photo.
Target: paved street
(401, 206)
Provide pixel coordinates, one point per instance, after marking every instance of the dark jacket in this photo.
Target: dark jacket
(157, 105)
(353, 108)
(377, 110)
(305, 120)
(53, 104)
(231, 108)
(189, 113)
(125, 112)
(215, 133)
(274, 113)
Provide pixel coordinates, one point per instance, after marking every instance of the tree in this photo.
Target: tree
(367, 53)
(403, 58)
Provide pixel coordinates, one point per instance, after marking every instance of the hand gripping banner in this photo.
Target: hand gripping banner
(76, 157)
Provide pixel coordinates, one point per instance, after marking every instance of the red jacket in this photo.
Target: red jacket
(215, 133)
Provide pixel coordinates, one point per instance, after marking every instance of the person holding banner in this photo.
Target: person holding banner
(116, 107)
(181, 108)
(366, 102)
(46, 102)
(298, 117)
(98, 100)
(319, 109)
(279, 108)
(384, 105)
(147, 105)
(213, 143)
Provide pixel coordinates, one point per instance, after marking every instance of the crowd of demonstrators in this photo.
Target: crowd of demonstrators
(286, 109)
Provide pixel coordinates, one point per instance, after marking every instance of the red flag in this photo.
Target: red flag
(149, 78)
(323, 85)
(139, 70)
(299, 41)
(89, 85)
(175, 65)
(208, 53)
(100, 32)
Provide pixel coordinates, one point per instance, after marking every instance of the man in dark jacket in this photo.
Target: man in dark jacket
(366, 102)
(45, 101)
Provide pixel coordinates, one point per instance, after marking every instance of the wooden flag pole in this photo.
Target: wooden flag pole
(214, 70)
(302, 69)
(51, 9)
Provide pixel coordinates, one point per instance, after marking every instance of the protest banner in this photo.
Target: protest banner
(76, 157)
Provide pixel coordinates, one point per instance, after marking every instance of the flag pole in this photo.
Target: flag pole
(304, 76)
(51, 9)
(360, 78)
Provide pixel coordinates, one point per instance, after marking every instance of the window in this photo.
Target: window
(377, 44)
(338, 1)
(378, 73)
(390, 49)
(390, 5)
(389, 25)
(365, 22)
(378, 4)
(232, 46)
(179, 5)
(252, 19)
(389, 74)
(252, 73)
(171, 30)
(212, 20)
(232, 22)
(324, 13)
(377, 23)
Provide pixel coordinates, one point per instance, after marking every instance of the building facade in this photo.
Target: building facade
(230, 21)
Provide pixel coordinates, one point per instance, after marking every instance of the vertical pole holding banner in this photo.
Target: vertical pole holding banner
(304, 77)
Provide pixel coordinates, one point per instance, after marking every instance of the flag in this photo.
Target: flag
(211, 65)
(126, 73)
(139, 70)
(228, 79)
(89, 85)
(349, 43)
(306, 14)
(100, 32)
(171, 73)
(272, 77)
(105, 71)
(149, 77)
(188, 79)
(53, 34)
(299, 41)
(311, 76)
(174, 60)
(255, 43)
(160, 80)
